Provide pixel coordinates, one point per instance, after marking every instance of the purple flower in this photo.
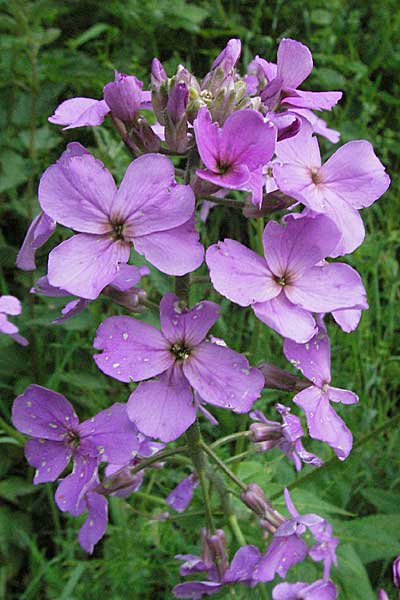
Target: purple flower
(294, 64)
(286, 436)
(228, 57)
(382, 595)
(325, 547)
(121, 289)
(10, 305)
(57, 436)
(40, 230)
(287, 547)
(182, 495)
(351, 179)
(149, 210)
(396, 572)
(235, 154)
(123, 96)
(214, 561)
(313, 359)
(318, 125)
(289, 284)
(319, 590)
(180, 357)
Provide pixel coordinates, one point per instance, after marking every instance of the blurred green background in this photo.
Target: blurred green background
(52, 50)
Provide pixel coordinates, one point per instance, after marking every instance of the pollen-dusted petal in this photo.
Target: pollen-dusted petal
(40, 230)
(322, 421)
(313, 358)
(291, 249)
(223, 377)
(48, 457)
(282, 553)
(132, 350)
(327, 288)
(240, 274)
(286, 318)
(84, 264)
(149, 200)
(112, 433)
(78, 192)
(180, 324)
(294, 63)
(95, 524)
(70, 494)
(80, 112)
(174, 252)
(163, 408)
(42, 413)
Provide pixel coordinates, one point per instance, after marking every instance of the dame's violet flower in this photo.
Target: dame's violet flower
(319, 590)
(180, 357)
(11, 306)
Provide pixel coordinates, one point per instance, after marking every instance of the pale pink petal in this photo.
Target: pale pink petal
(80, 112)
(6, 326)
(313, 358)
(128, 276)
(347, 220)
(286, 319)
(312, 100)
(235, 178)
(207, 138)
(240, 274)
(291, 249)
(183, 325)
(40, 230)
(84, 264)
(148, 198)
(223, 377)
(347, 319)
(301, 149)
(294, 63)
(175, 252)
(342, 396)
(163, 408)
(10, 305)
(356, 174)
(78, 192)
(327, 288)
(132, 350)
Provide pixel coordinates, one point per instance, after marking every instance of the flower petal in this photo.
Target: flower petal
(313, 358)
(223, 377)
(132, 350)
(70, 494)
(207, 139)
(96, 521)
(243, 564)
(42, 413)
(181, 496)
(163, 408)
(342, 396)
(128, 276)
(323, 422)
(80, 112)
(175, 252)
(196, 589)
(40, 230)
(349, 222)
(347, 319)
(240, 274)
(49, 457)
(112, 433)
(84, 264)
(333, 286)
(282, 553)
(286, 318)
(184, 325)
(312, 100)
(294, 63)
(10, 305)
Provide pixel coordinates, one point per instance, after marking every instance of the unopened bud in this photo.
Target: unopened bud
(279, 379)
(123, 96)
(144, 137)
(176, 120)
(217, 544)
(396, 572)
(255, 499)
(158, 74)
(270, 435)
(131, 299)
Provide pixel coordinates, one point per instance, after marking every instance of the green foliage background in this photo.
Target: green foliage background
(51, 50)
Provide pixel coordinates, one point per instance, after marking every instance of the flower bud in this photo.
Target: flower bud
(263, 432)
(158, 74)
(255, 499)
(144, 137)
(279, 379)
(176, 120)
(217, 544)
(159, 90)
(123, 96)
(130, 299)
(227, 59)
(396, 572)
(382, 595)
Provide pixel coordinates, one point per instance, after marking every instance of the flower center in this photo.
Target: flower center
(73, 440)
(223, 167)
(117, 230)
(315, 175)
(180, 351)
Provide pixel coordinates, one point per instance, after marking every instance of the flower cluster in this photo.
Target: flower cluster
(254, 133)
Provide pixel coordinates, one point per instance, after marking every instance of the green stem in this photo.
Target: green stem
(194, 446)
(223, 467)
(242, 455)
(229, 438)
(237, 532)
(389, 424)
(231, 202)
(12, 432)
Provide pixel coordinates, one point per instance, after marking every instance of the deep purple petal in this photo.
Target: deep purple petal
(123, 96)
(322, 421)
(207, 139)
(288, 591)
(283, 553)
(48, 457)
(42, 413)
(78, 192)
(223, 377)
(240, 274)
(95, 524)
(181, 496)
(175, 252)
(286, 318)
(132, 350)
(128, 276)
(196, 589)
(113, 434)
(189, 326)
(326, 288)
(40, 230)
(313, 358)
(294, 63)
(84, 264)
(163, 408)
(70, 494)
(291, 249)
(80, 112)
(242, 565)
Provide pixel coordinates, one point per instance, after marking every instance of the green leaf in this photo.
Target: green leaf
(13, 487)
(386, 502)
(352, 576)
(308, 502)
(375, 537)
(90, 34)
